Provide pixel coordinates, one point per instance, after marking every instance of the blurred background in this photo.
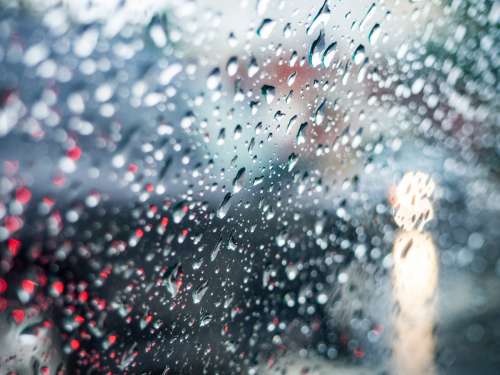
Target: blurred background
(249, 187)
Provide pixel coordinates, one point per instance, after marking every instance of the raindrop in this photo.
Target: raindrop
(268, 92)
(293, 58)
(253, 67)
(329, 54)
(359, 55)
(216, 250)
(258, 180)
(238, 181)
(321, 17)
(174, 280)
(319, 115)
(287, 30)
(224, 206)
(158, 36)
(266, 28)
(200, 292)
(237, 132)
(292, 161)
(232, 66)
(301, 134)
(205, 319)
(180, 210)
(214, 79)
(291, 123)
(374, 34)
(316, 50)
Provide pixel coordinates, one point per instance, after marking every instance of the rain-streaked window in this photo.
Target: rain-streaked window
(249, 187)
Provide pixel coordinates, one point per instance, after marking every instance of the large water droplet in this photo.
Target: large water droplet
(374, 34)
(319, 115)
(268, 92)
(253, 67)
(292, 161)
(316, 50)
(329, 54)
(321, 17)
(301, 134)
(238, 181)
(200, 292)
(232, 66)
(266, 28)
(359, 55)
(214, 79)
(224, 206)
(174, 280)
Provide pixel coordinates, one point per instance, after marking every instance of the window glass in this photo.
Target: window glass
(249, 187)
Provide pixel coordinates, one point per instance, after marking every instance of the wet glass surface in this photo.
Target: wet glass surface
(249, 187)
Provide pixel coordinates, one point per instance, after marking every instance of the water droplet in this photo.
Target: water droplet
(216, 250)
(180, 210)
(238, 180)
(368, 15)
(301, 134)
(269, 93)
(224, 206)
(158, 35)
(214, 79)
(321, 17)
(319, 115)
(329, 54)
(374, 34)
(292, 161)
(281, 238)
(266, 28)
(232, 66)
(205, 319)
(174, 280)
(237, 132)
(287, 30)
(200, 292)
(291, 123)
(316, 50)
(258, 180)
(359, 55)
(253, 67)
